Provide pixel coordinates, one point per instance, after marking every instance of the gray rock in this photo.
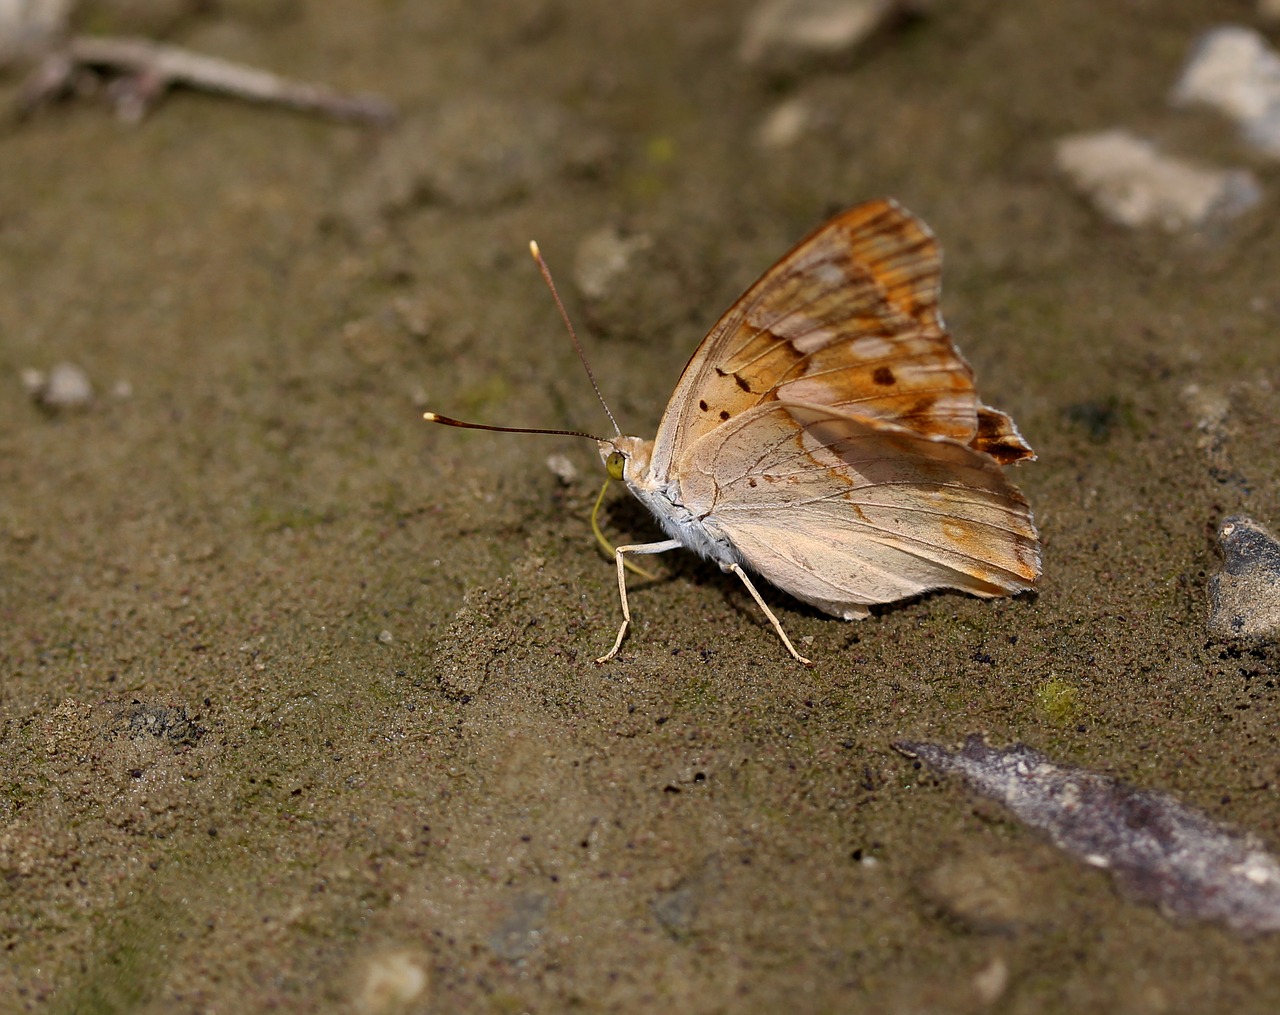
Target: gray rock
(677, 908)
(1159, 850)
(1246, 593)
(520, 930)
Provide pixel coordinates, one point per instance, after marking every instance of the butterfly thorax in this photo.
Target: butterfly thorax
(661, 495)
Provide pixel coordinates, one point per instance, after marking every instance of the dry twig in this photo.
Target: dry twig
(149, 69)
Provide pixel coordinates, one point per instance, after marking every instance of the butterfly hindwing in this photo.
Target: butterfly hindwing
(873, 512)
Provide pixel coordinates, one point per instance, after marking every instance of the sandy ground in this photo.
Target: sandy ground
(298, 701)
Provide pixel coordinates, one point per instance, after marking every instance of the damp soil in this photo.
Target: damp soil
(298, 700)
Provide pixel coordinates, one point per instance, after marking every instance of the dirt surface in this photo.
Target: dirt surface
(298, 701)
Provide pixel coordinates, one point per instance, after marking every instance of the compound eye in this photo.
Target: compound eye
(615, 463)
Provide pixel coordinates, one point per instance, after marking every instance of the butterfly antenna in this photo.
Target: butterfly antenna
(564, 316)
(435, 417)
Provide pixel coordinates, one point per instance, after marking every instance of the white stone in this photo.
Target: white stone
(32, 381)
(785, 124)
(603, 257)
(780, 31)
(991, 981)
(1135, 184)
(1233, 70)
(65, 387)
(390, 981)
(562, 468)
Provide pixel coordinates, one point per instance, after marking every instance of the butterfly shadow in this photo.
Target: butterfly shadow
(704, 572)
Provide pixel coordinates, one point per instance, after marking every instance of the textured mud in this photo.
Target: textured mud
(297, 700)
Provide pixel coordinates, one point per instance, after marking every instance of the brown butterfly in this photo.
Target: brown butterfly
(826, 435)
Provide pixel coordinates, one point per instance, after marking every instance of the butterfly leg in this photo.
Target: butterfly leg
(737, 569)
(663, 547)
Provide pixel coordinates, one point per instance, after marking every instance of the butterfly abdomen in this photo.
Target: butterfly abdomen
(682, 524)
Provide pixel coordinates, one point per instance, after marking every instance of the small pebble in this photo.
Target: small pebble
(780, 35)
(986, 893)
(603, 258)
(562, 468)
(1133, 183)
(389, 982)
(521, 929)
(991, 981)
(66, 386)
(676, 908)
(785, 124)
(1232, 69)
(1246, 593)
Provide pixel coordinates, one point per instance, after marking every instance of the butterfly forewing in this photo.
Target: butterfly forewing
(848, 318)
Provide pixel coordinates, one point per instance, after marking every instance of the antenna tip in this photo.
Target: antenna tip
(533, 249)
(430, 417)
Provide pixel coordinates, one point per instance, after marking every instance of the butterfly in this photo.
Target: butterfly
(827, 436)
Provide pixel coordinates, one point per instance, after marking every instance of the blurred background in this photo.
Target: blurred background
(297, 695)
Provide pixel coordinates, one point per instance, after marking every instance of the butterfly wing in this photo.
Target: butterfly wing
(874, 512)
(849, 318)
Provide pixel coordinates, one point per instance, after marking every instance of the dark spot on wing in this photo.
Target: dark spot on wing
(1006, 452)
(751, 481)
(997, 437)
(883, 375)
(742, 383)
(724, 413)
(921, 409)
(703, 405)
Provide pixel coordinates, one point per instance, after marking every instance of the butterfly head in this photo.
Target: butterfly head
(625, 458)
